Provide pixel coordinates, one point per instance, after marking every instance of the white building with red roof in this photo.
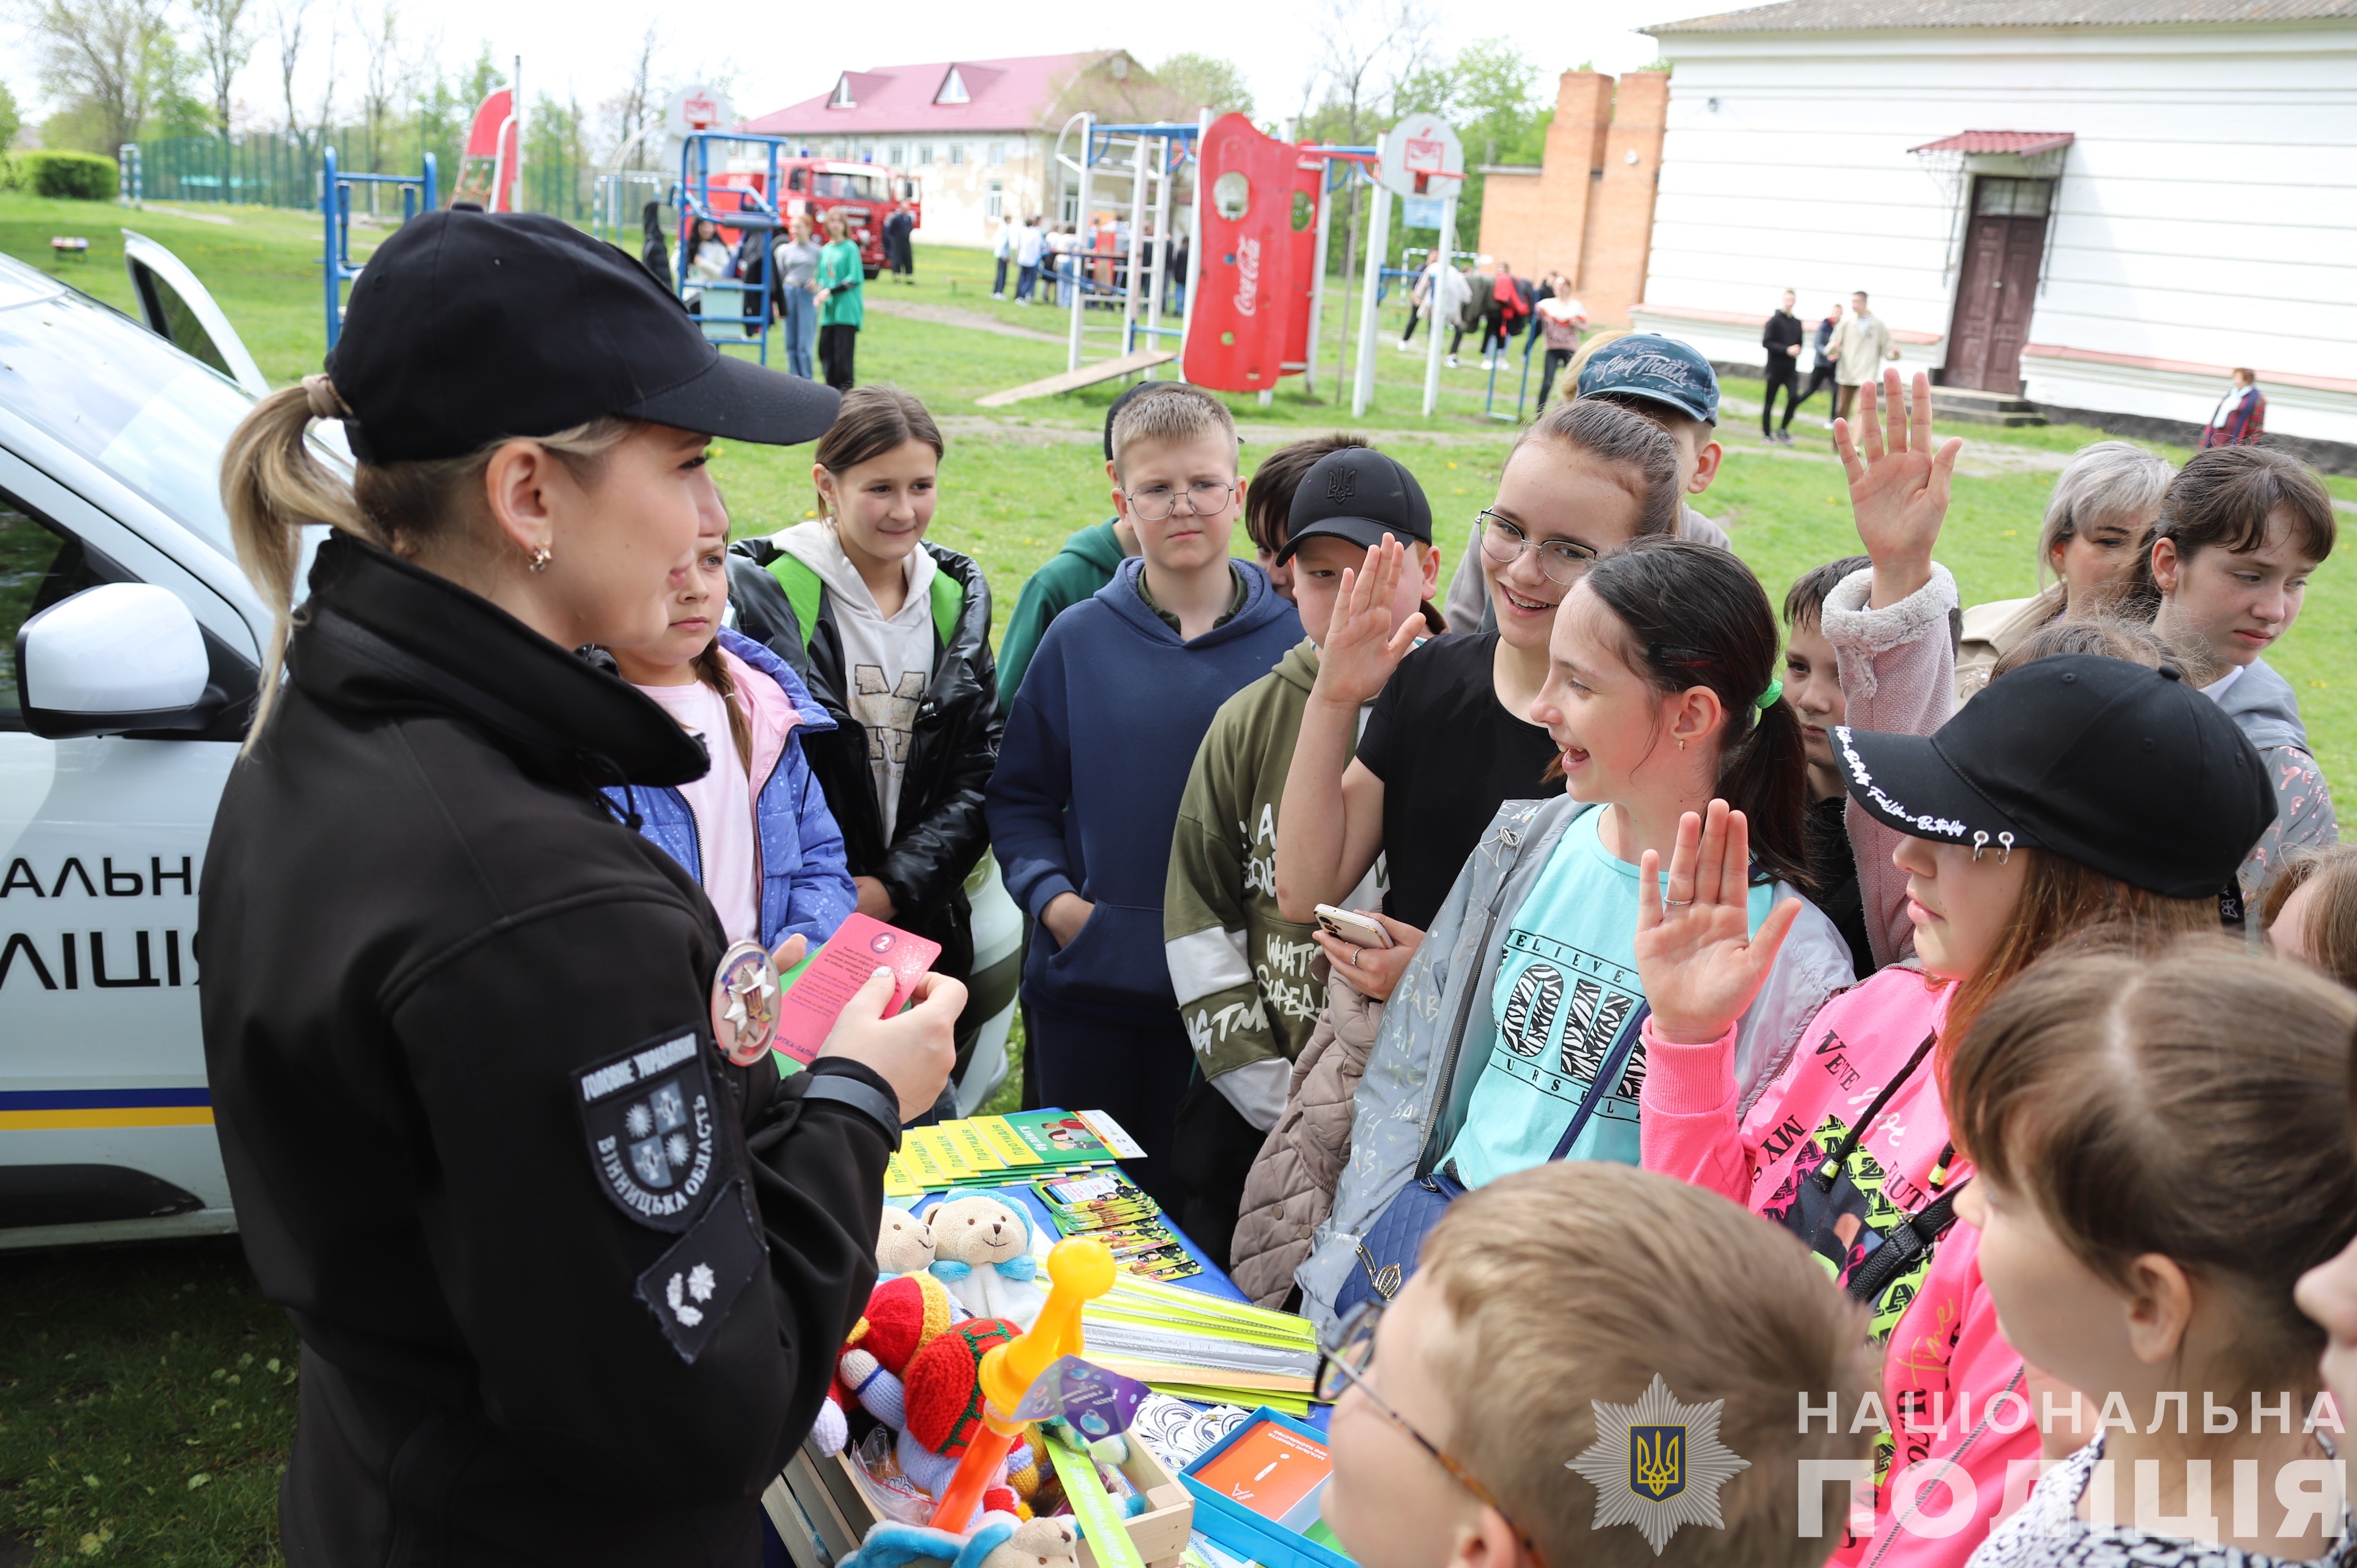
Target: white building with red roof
(979, 135)
(2097, 206)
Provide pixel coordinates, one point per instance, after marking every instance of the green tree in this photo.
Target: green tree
(12, 119)
(1205, 81)
(101, 56)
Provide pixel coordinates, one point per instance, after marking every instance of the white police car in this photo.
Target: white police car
(135, 641)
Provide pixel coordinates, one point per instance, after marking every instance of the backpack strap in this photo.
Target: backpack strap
(804, 592)
(1903, 1243)
(949, 601)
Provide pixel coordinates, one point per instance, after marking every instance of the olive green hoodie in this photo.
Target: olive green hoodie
(1242, 971)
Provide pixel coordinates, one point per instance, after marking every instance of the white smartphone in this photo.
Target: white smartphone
(1349, 926)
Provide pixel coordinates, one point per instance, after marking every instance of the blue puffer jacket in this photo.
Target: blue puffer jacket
(805, 887)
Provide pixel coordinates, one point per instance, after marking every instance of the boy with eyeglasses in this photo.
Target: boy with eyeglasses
(1482, 1419)
(1249, 992)
(1098, 748)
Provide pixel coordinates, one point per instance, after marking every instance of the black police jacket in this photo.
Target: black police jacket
(939, 834)
(570, 1286)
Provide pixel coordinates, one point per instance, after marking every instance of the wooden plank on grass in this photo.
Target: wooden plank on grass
(1086, 376)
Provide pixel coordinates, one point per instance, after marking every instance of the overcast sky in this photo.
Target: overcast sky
(780, 54)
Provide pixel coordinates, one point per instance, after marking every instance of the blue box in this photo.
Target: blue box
(1241, 1530)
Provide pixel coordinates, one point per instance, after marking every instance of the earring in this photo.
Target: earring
(2005, 853)
(1682, 746)
(539, 559)
(1980, 843)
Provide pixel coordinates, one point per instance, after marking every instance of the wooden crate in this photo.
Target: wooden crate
(823, 1516)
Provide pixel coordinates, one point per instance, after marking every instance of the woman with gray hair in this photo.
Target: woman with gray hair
(2098, 522)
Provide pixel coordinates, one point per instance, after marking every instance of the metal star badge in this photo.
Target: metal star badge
(744, 1003)
(1657, 1463)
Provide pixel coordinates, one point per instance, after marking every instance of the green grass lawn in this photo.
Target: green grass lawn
(146, 1393)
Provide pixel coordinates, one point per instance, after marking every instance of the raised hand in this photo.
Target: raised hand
(1697, 958)
(1899, 490)
(1361, 649)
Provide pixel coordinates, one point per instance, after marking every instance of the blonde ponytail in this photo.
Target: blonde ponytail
(272, 484)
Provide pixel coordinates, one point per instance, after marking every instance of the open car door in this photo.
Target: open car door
(176, 307)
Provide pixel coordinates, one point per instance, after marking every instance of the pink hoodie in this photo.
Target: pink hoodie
(1945, 1360)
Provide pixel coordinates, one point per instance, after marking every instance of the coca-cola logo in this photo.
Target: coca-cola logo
(1247, 274)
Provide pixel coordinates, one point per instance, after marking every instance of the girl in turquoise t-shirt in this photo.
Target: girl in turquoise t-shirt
(1662, 695)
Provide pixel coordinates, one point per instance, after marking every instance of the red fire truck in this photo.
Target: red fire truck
(866, 193)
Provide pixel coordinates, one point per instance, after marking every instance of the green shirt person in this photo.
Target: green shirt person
(841, 306)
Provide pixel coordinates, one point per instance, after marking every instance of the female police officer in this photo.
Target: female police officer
(570, 1281)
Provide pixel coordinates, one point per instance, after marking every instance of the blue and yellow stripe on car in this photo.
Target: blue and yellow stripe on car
(28, 1109)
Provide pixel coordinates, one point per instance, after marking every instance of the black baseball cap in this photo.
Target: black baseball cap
(1358, 494)
(469, 326)
(2129, 771)
(1657, 369)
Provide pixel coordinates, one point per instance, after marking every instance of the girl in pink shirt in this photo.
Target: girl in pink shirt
(2012, 827)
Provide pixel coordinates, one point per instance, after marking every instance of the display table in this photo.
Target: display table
(821, 1512)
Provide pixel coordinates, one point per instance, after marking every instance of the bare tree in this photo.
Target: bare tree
(639, 106)
(224, 44)
(287, 20)
(325, 119)
(381, 74)
(103, 51)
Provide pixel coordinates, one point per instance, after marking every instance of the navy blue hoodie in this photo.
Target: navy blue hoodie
(1098, 747)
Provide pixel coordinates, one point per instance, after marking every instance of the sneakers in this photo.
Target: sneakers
(1452, 362)
(999, 296)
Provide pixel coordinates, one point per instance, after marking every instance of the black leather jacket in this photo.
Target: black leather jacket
(939, 834)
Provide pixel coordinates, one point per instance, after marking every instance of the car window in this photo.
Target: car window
(846, 187)
(39, 566)
(123, 398)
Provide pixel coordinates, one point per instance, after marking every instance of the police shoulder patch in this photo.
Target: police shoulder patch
(691, 1287)
(652, 1126)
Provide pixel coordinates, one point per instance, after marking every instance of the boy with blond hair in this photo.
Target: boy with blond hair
(1098, 747)
(1484, 1419)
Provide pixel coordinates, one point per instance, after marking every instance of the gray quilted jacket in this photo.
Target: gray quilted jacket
(1410, 1101)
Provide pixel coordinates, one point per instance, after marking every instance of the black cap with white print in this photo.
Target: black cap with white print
(2127, 770)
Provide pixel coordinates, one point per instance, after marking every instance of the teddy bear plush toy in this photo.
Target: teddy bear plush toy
(983, 1251)
(996, 1541)
(904, 1244)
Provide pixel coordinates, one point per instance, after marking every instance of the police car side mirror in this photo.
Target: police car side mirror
(119, 657)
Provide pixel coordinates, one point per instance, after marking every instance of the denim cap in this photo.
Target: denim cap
(1660, 369)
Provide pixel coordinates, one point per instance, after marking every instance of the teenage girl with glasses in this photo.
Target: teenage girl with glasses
(1451, 735)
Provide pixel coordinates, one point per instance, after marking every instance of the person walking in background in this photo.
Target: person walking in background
(2242, 416)
(1002, 251)
(1559, 318)
(797, 263)
(1180, 255)
(841, 301)
(1469, 314)
(1029, 244)
(1822, 370)
(1860, 345)
(1500, 312)
(1781, 338)
(1419, 295)
(899, 254)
